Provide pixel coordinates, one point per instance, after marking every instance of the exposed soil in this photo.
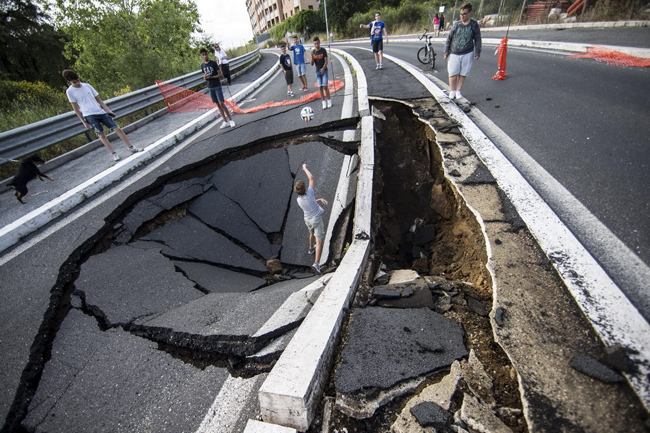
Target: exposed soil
(411, 189)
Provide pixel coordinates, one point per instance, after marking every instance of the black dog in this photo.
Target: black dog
(27, 171)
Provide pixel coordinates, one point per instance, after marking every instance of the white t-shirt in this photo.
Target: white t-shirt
(221, 56)
(309, 205)
(85, 97)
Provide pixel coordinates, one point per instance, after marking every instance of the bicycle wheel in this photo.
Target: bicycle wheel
(423, 55)
(433, 59)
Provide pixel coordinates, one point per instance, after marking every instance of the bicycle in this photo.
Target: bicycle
(427, 54)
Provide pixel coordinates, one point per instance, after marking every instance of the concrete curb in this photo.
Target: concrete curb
(573, 47)
(569, 46)
(362, 84)
(609, 311)
(292, 391)
(254, 426)
(14, 232)
(560, 26)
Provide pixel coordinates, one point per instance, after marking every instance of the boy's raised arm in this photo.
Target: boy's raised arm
(309, 175)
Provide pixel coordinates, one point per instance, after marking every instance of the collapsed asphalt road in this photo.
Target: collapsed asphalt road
(114, 344)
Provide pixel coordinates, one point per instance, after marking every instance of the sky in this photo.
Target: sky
(226, 20)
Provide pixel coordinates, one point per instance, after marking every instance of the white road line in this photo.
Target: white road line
(228, 405)
(619, 260)
(362, 84)
(612, 315)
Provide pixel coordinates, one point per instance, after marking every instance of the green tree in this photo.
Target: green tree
(31, 49)
(339, 11)
(119, 43)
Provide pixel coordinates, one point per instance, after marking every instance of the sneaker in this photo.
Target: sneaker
(452, 94)
(232, 124)
(116, 157)
(381, 66)
(134, 149)
(312, 250)
(458, 95)
(305, 89)
(377, 67)
(224, 125)
(329, 103)
(316, 268)
(292, 94)
(324, 105)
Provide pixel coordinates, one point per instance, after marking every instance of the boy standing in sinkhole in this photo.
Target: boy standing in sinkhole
(313, 214)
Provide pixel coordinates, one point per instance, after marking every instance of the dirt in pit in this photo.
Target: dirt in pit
(411, 189)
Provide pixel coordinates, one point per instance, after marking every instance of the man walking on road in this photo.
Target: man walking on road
(463, 46)
(212, 75)
(377, 31)
(222, 61)
(313, 216)
(93, 112)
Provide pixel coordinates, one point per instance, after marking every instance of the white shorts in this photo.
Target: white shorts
(460, 64)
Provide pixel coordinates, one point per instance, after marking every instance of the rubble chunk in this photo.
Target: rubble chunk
(378, 337)
(480, 418)
(429, 414)
(593, 368)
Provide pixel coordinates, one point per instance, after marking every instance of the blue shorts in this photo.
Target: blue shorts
(216, 94)
(301, 68)
(96, 121)
(321, 78)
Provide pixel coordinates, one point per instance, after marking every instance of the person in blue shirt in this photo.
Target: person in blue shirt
(299, 61)
(377, 32)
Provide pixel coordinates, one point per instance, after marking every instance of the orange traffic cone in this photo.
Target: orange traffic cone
(502, 49)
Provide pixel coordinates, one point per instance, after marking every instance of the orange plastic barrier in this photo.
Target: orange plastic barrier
(502, 50)
(182, 100)
(575, 7)
(612, 57)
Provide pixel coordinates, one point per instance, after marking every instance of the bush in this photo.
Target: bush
(26, 103)
(409, 17)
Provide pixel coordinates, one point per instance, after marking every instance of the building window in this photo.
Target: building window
(311, 7)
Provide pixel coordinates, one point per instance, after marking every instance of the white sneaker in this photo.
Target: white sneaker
(291, 94)
(324, 105)
(377, 67)
(224, 125)
(134, 149)
(458, 95)
(329, 103)
(232, 124)
(452, 94)
(116, 157)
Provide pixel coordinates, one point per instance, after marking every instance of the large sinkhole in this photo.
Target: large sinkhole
(204, 275)
(420, 317)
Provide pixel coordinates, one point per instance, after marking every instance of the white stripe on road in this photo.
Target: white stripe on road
(229, 404)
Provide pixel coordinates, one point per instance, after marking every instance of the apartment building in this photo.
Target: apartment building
(265, 14)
